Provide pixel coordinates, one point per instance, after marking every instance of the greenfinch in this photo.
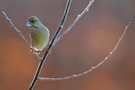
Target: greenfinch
(39, 34)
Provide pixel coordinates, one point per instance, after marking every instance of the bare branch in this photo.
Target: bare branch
(75, 21)
(93, 67)
(20, 33)
(39, 68)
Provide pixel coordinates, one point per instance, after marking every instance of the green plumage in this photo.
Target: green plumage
(39, 34)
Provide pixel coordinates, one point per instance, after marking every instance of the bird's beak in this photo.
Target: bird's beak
(28, 24)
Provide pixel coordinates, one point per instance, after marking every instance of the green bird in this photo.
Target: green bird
(39, 34)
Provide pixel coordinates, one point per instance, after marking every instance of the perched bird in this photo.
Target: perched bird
(39, 34)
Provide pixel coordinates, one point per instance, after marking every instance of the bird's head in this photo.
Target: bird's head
(33, 22)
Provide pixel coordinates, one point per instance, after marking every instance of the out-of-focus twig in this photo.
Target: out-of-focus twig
(93, 67)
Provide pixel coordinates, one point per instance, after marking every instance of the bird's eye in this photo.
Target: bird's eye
(32, 21)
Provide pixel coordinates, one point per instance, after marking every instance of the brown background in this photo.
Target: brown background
(93, 37)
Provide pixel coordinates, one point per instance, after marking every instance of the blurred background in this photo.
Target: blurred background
(88, 43)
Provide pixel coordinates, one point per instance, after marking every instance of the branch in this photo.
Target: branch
(75, 21)
(50, 45)
(20, 33)
(93, 67)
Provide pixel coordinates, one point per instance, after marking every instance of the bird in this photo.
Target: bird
(39, 34)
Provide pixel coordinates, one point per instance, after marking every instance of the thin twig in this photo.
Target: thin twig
(93, 67)
(20, 33)
(75, 21)
(50, 45)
